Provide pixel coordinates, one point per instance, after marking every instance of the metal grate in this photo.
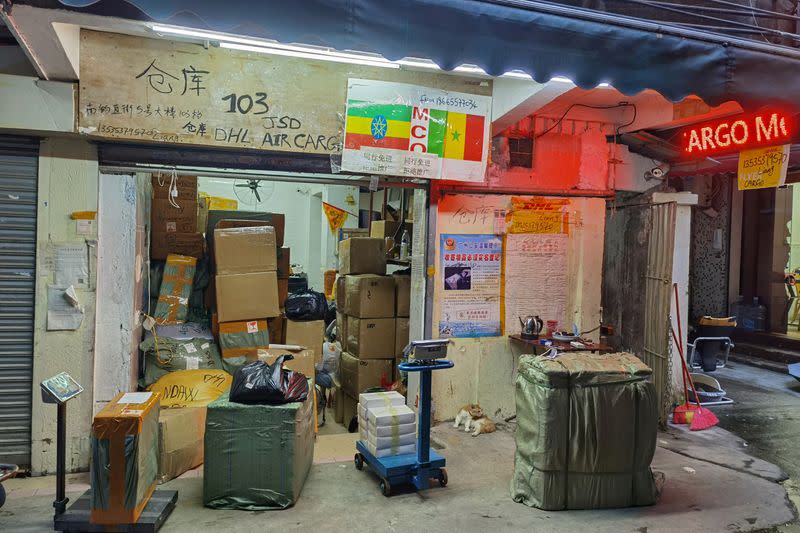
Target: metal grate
(18, 188)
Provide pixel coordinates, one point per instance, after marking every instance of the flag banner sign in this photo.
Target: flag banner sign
(763, 167)
(406, 130)
(335, 216)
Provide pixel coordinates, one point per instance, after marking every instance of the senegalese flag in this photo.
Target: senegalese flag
(447, 134)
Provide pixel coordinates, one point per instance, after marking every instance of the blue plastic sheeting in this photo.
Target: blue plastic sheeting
(499, 36)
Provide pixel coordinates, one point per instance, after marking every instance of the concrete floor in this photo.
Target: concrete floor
(712, 483)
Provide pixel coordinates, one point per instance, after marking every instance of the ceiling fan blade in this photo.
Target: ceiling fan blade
(258, 197)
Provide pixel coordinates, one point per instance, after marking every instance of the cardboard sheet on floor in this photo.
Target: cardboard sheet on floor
(257, 456)
(586, 432)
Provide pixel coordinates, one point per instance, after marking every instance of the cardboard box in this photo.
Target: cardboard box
(371, 338)
(349, 409)
(164, 244)
(124, 458)
(341, 294)
(349, 233)
(283, 291)
(309, 334)
(234, 219)
(243, 338)
(338, 405)
(243, 250)
(164, 218)
(369, 296)
(284, 262)
(185, 185)
(380, 229)
(359, 255)
(247, 296)
(341, 326)
(277, 327)
(180, 441)
(400, 335)
(358, 375)
(303, 360)
(402, 297)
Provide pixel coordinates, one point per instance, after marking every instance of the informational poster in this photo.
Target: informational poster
(407, 130)
(471, 278)
(536, 278)
(763, 168)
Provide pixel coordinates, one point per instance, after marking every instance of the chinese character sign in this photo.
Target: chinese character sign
(470, 277)
(408, 130)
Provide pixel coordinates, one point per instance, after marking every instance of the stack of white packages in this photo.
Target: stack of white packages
(387, 425)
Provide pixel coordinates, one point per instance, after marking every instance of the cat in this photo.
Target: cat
(472, 416)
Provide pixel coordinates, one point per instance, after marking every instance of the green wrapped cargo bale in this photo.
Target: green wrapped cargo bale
(257, 457)
(176, 354)
(586, 432)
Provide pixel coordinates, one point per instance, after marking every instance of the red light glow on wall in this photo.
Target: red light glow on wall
(736, 133)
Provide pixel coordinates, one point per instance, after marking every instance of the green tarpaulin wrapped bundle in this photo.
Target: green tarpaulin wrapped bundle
(257, 457)
(586, 432)
(173, 354)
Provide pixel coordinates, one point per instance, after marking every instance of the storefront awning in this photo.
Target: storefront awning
(541, 39)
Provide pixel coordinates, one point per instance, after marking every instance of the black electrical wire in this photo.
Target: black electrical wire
(614, 106)
(728, 11)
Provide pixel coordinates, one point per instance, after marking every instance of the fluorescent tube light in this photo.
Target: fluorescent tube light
(309, 55)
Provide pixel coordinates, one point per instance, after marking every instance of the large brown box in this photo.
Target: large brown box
(180, 441)
(303, 360)
(341, 327)
(400, 335)
(358, 375)
(165, 218)
(402, 295)
(237, 219)
(369, 296)
(164, 244)
(243, 250)
(247, 296)
(362, 255)
(309, 334)
(185, 185)
(283, 291)
(284, 263)
(277, 327)
(371, 338)
(341, 294)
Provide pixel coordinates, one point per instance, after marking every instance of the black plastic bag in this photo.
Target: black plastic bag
(265, 384)
(309, 305)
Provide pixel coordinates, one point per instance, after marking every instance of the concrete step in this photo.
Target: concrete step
(761, 338)
(768, 352)
(765, 364)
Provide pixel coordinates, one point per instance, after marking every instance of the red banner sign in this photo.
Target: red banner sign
(737, 133)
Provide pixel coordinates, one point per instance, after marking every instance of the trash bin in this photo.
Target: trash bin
(708, 350)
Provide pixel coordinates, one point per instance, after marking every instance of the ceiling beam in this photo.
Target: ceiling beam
(514, 99)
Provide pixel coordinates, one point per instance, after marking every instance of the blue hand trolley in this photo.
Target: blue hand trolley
(413, 469)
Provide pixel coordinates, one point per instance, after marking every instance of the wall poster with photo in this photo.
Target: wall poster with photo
(472, 283)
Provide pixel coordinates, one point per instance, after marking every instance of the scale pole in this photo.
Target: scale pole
(61, 460)
(424, 444)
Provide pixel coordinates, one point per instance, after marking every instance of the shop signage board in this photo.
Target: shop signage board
(471, 276)
(763, 168)
(739, 132)
(407, 130)
(167, 92)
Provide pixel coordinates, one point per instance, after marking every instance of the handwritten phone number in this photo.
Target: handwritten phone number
(451, 101)
(771, 158)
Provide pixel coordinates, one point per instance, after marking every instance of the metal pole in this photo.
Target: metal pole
(60, 504)
(424, 444)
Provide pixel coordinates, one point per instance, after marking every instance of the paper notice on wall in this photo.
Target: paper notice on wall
(536, 278)
(72, 265)
(471, 273)
(62, 312)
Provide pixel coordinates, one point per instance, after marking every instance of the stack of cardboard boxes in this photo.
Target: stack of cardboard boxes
(372, 335)
(174, 217)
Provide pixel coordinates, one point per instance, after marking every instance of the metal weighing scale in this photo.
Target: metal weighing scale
(413, 469)
(58, 390)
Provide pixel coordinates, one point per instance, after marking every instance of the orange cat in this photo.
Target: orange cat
(473, 417)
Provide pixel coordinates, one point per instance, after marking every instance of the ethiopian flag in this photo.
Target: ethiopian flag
(447, 134)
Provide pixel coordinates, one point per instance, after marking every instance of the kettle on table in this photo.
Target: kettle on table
(531, 326)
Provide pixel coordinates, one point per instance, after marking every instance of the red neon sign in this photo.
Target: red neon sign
(736, 133)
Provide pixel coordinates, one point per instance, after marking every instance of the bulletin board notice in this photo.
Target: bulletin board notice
(471, 279)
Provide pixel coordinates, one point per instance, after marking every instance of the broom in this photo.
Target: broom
(698, 417)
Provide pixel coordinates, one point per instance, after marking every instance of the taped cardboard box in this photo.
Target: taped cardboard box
(401, 336)
(180, 441)
(283, 292)
(341, 328)
(310, 334)
(244, 250)
(247, 296)
(277, 327)
(257, 456)
(358, 375)
(166, 218)
(243, 338)
(186, 186)
(303, 360)
(341, 294)
(362, 255)
(371, 338)
(369, 296)
(124, 457)
(164, 244)
(238, 219)
(402, 295)
(284, 263)
(176, 287)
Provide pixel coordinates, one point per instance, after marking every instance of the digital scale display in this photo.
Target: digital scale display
(60, 388)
